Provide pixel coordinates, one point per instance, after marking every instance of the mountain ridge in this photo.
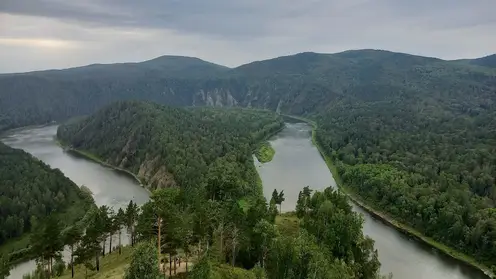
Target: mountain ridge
(474, 61)
(299, 84)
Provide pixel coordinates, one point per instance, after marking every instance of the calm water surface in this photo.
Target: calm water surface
(109, 187)
(297, 163)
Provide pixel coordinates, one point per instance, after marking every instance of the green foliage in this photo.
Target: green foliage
(30, 191)
(47, 242)
(331, 221)
(265, 152)
(144, 263)
(202, 270)
(4, 267)
(172, 146)
(301, 257)
(303, 202)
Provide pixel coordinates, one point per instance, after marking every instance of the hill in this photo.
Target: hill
(30, 191)
(486, 61)
(300, 84)
(168, 146)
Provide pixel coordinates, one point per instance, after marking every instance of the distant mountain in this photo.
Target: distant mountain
(305, 83)
(163, 66)
(486, 61)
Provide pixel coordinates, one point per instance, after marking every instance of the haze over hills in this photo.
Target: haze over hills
(301, 84)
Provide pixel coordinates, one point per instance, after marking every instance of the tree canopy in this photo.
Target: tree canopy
(167, 146)
(31, 191)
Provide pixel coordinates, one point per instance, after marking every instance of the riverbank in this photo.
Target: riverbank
(355, 198)
(95, 159)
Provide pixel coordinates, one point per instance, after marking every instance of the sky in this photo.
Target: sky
(54, 34)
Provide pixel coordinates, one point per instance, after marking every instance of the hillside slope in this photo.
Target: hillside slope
(29, 191)
(168, 146)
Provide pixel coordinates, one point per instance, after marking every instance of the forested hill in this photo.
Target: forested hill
(422, 148)
(189, 147)
(29, 191)
(299, 84)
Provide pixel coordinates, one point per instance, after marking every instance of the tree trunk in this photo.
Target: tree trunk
(159, 246)
(50, 273)
(72, 261)
(170, 265)
(175, 260)
(97, 261)
(223, 258)
(120, 233)
(104, 242)
(110, 247)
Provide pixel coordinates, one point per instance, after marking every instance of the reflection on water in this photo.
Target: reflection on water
(297, 163)
(109, 187)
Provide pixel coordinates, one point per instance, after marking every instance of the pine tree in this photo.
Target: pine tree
(72, 236)
(120, 221)
(280, 199)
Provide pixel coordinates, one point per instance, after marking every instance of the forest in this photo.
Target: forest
(30, 191)
(198, 215)
(188, 147)
(429, 165)
(215, 239)
(300, 84)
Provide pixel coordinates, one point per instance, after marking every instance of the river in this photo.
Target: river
(109, 187)
(297, 163)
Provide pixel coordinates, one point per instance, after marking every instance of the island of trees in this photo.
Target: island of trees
(265, 152)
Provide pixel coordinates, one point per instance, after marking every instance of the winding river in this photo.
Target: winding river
(297, 163)
(109, 187)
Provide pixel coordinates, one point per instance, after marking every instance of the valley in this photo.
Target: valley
(409, 137)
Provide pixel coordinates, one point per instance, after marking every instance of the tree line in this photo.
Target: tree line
(215, 235)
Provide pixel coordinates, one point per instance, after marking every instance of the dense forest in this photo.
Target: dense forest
(207, 226)
(30, 191)
(189, 147)
(427, 160)
(215, 239)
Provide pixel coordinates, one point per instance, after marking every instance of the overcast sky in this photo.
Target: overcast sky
(43, 34)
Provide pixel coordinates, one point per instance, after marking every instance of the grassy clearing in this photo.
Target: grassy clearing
(265, 152)
(387, 219)
(112, 266)
(288, 224)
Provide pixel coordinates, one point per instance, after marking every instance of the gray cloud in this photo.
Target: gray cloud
(69, 33)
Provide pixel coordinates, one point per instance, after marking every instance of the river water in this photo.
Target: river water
(109, 187)
(297, 163)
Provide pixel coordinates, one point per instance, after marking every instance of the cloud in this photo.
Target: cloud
(235, 32)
